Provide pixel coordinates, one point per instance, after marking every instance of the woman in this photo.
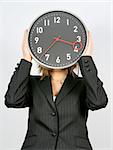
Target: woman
(58, 102)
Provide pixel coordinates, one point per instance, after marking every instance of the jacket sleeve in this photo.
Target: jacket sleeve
(18, 93)
(96, 97)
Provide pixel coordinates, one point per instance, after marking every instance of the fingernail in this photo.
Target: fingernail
(26, 30)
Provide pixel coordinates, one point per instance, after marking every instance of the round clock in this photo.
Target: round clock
(57, 39)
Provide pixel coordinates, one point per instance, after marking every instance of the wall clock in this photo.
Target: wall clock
(57, 39)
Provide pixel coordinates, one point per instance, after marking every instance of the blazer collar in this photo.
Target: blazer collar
(67, 86)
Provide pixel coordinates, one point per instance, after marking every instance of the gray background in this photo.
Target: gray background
(15, 17)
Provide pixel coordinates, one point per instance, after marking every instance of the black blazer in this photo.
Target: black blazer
(59, 125)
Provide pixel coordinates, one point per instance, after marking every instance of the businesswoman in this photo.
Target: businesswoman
(58, 101)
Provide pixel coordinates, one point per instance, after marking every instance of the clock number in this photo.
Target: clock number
(39, 30)
(56, 19)
(67, 22)
(68, 56)
(75, 29)
(36, 39)
(46, 22)
(47, 56)
(39, 50)
(58, 59)
(78, 38)
(76, 48)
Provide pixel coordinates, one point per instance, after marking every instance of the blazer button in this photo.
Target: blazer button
(86, 65)
(85, 60)
(53, 113)
(18, 64)
(16, 68)
(87, 69)
(53, 134)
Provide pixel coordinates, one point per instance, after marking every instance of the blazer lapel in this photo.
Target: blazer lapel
(46, 87)
(67, 86)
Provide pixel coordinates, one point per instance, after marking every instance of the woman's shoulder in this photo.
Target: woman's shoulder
(78, 78)
(35, 77)
(34, 80)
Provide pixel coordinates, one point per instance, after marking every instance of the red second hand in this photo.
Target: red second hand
(74, 43)
(55, 40)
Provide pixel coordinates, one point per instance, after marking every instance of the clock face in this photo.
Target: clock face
(57, 39)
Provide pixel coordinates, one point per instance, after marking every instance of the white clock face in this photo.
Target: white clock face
(57, 39)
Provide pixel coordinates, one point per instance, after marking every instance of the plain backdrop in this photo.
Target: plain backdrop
(15, 17)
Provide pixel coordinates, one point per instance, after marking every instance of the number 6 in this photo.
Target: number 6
(58, 59)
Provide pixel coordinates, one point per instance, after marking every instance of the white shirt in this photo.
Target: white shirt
(54, 97)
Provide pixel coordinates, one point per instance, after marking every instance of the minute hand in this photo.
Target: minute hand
(70, 43)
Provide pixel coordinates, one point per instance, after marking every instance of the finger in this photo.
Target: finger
(90, 39)
(88, 43)
(24, 39)
(25, 35)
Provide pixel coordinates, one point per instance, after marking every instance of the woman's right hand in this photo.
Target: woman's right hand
(25, 48)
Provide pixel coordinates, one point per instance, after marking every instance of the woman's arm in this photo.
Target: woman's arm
(96, 96)
(18, 93)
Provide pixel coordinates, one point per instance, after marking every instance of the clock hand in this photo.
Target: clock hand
(58, 39)
(74, 44)
(70, 43)
(55, 40)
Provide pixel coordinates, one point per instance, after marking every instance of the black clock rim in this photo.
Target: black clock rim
(59, 67)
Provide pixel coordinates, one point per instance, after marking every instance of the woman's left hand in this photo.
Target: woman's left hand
(88, 50)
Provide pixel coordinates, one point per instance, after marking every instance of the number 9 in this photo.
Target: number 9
(36, 39)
